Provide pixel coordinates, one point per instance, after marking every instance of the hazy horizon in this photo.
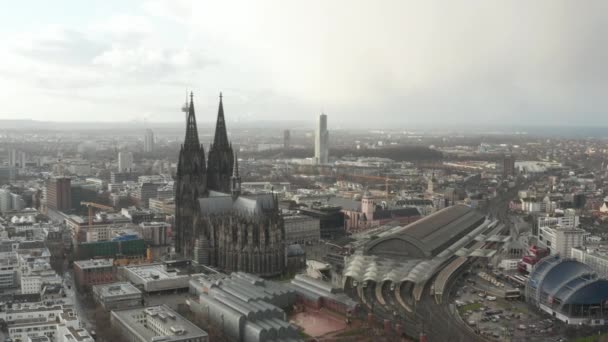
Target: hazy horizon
(366, 64)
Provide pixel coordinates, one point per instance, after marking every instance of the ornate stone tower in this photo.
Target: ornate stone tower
(368, 206)
(190, 184)
(221, 157)
(235, 180)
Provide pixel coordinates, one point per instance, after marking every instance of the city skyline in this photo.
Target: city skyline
(403, 62)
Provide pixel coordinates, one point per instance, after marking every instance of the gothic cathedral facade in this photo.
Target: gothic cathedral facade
(216, 225)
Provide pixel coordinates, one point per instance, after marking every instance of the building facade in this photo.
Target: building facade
(561, 240)
(248, 308)
(301, 229)
(125, 162)
(93, 272)
(6, 201)
(59, 194)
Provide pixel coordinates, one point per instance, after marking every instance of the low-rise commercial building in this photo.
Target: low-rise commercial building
(38, 321)
(35, 282)
(331, 220)
(248, 308)
(155, 324)
(317, 294)
(93, 272)
(162, 205)
(155, 233)
(302, 229)
(117, 296)
(155, 277)
(9, 266)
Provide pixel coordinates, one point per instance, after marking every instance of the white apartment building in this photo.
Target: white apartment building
(33, 283)
(595, 257)
(155, 233)
(28, 321)
(9, 266)
(560, 240)
(568, 221)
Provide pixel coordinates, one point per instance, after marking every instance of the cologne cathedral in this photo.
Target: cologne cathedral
(216, 225)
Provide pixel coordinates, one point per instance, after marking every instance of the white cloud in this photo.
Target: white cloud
(154, 61)
(393, 60)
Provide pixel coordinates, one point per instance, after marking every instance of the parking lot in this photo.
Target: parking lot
(500, 319)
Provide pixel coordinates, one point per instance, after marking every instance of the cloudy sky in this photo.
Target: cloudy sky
(394, 62)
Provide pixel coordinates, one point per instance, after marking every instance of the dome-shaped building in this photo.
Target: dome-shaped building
(568, 290)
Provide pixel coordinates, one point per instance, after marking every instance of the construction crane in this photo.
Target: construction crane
(386, 180)
(92, 205)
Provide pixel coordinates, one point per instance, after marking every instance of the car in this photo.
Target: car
(491, 298)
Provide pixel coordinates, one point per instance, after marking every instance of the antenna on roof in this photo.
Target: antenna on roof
(186, 107)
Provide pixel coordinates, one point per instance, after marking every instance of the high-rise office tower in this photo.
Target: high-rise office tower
(22, 159)
(12, 157)
(149, 141)
(286, 139)
(5, 200)
(7, 174)
(59, 194)
(125, 161)
(508, 166)
(321, 140)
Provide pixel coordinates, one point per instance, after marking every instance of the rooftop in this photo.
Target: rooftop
(218, 202)
(152, 272)
(115, 289)
(176, 326)
(430, 235)
(94, 263)
(42, 338)
(77, 334)
(297, 217)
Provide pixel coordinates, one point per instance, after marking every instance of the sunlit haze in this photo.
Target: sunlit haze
(378, 62)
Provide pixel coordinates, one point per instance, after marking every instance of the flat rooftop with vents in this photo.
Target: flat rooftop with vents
(155, 277)
(94, 263)
(121, 295)
(156, 324)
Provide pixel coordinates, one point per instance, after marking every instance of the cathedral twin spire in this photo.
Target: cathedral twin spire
(191, 130)
(221, 136)
(220, 161)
